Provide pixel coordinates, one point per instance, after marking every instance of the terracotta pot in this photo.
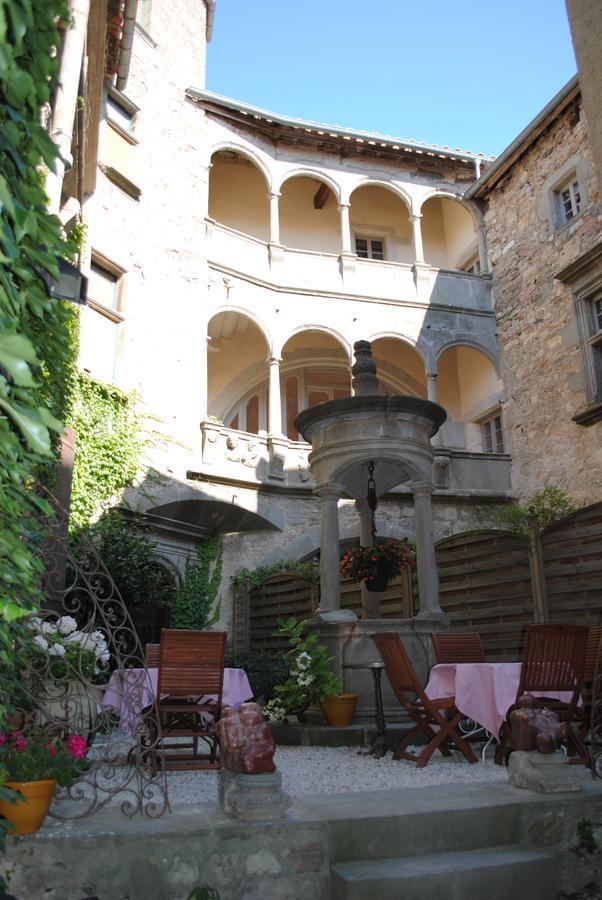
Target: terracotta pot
(339, 709)
(26, 815)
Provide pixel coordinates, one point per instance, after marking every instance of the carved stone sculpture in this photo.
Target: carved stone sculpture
(365, 379)
(536, 728)
(246, 742)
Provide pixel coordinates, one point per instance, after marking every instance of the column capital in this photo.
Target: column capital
(421, 488)
(415, 217)
(343, 205)
(274, 195)
(329, 491)
(431, 374)
(274, 360)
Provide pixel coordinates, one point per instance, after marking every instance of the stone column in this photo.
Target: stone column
(345, 228)
(203, 379)
(370, 599)
(428, 579)
(432, 394)
(274, 400)
(415, 221)
(330, 579)
(274, 218)
(483, 260)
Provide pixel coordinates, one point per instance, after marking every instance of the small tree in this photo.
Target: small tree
(548, 506)
(195, 605)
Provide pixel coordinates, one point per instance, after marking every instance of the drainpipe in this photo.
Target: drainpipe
(63, 115)
(127, 42)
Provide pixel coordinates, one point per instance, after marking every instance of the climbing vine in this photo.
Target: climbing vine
(109, 444)
(252, 578)
(36, 332)
(195, 604)
(548, 506)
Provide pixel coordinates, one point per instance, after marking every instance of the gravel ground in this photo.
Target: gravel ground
(340, 770)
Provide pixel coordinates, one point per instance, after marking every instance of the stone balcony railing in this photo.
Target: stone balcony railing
(306, 270)
(236, 456)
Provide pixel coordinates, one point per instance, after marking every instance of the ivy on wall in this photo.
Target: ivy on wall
(36, 332)
(253, 578)
(109, 444)
(195, 603)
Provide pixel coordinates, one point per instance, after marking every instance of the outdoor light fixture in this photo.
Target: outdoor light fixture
(71, 284)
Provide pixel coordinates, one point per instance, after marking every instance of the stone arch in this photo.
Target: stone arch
(308, 172)
(309, 213)
(449, 194)
(468, 341)
(385, 471)
(387, 185)
(250, 154)
(325, 329)
(450, 231)
(470, 390)
(239, 184)
(401, 363)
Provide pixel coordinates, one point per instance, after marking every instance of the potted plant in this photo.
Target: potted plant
(376, 565)
(310, 681)
(32, 767)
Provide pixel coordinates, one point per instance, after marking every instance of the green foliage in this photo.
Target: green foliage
(384, 559)
(311, 679)
(549, 505)
(110, 441)
(194, 605)
(36, 758)
(265, 669)
(128, 549)
(252, 578)
(204, 892)
(38, 333)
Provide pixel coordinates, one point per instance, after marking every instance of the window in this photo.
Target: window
(569, 200)
(119, 141)
(594, 343)
(473, 266)
(492, 435)
(101, 331)
(143, 14)
(370, 248)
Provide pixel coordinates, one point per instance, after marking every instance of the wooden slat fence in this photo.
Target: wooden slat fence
(486, 585)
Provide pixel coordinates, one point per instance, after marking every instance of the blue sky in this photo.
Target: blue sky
(468, 75)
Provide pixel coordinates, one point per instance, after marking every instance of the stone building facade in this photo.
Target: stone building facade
(543, 227)
(235, 255)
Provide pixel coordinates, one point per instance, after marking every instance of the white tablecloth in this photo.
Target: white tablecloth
(130, 690)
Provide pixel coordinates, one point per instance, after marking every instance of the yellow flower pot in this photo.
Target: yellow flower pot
(29, 811)
(339, 709)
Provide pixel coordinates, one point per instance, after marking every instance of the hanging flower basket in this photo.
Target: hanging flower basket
(375, 566)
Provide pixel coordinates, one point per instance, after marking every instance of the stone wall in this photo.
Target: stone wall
(541, 363)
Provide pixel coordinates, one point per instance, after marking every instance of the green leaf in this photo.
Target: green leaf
(30, 425)
(16, 352)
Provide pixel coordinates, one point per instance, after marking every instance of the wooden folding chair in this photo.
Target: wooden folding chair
(440, 732)
(189, 698)
(152, 654)
(583, 713)
(458, 648)
(553, 660)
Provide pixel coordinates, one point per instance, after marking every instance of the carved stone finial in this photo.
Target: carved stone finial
(365, 380)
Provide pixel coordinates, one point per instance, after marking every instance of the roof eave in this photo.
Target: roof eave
(333, 130)
(521, 144)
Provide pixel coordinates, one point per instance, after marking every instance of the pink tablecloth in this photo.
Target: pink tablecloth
(130, 690)
(484, 692)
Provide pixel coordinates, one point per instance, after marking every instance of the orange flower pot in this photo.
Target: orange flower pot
(29, 811)
(339, 709)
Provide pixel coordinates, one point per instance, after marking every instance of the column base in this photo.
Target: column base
(436, 616)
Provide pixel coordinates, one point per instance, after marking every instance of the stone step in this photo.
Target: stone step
(311, 734)
(385, 832)
(496, 873)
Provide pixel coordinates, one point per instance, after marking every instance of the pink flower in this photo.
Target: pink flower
(51, 749)
(3, 739)
(77, 746)
(19, 740)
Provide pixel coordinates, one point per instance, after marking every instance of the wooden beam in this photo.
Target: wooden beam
(321, 196)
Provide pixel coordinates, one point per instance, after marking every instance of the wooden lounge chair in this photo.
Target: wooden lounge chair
(429, 715)
(553, 660)
(189, 698)
(458, 648)
(152, 653)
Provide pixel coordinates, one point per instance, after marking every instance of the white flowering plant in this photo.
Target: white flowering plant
(66, 651)
(310, 679)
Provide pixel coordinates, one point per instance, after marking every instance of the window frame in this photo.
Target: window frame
(572, 187)
(116, 314)
(496, 436)
(370, 238)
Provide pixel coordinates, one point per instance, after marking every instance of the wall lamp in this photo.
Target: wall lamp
(72, 285)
